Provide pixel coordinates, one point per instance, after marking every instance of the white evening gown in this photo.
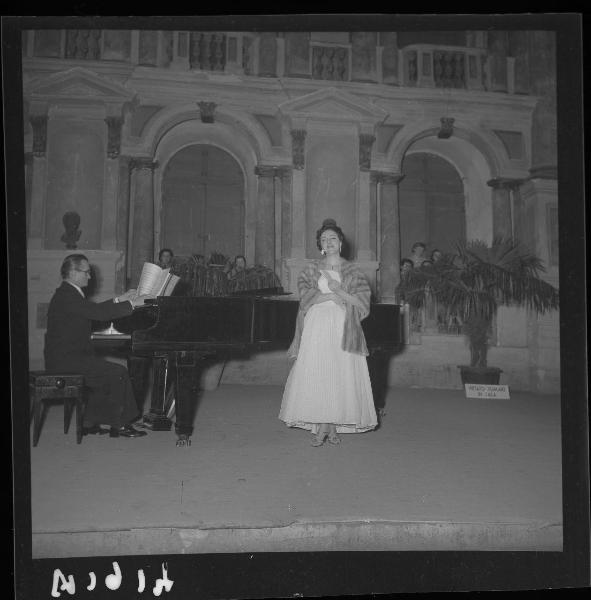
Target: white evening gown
(327, 384)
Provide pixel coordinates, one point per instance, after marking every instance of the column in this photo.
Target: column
(284, 234)
(28, 188)
(264, 243)
(122, 241)
(141, 226)
(524, 216)
(364, 196)
(388, 233)
(298, 238)
(503, 206)
(38, 180)
(111, 188)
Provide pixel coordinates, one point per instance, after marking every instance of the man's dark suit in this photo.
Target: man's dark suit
(68, 348)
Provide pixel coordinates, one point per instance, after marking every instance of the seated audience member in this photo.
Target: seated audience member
(165, 257)
(436, 255)
(238, 267)
(406, 265)
(110, 399)
(417, 254)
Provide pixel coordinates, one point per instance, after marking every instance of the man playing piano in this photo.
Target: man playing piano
(68, 349)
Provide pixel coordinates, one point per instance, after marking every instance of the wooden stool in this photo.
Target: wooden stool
(45, 385)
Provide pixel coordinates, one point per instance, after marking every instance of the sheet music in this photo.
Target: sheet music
(152, 279)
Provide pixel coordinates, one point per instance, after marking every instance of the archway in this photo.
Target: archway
(202, 202)
(432, 203)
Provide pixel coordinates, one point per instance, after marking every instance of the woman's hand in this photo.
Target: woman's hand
(334, 285)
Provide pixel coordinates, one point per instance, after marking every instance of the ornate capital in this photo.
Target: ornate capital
(272, 171)
(447, 128)
(39, 124)
(504, 183)
(366, 141)
(298, 144)
(114, 125)
(137, 163)
(207, 110)
(544, 172)
(386, 178)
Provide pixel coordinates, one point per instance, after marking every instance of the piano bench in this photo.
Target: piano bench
(48, 385)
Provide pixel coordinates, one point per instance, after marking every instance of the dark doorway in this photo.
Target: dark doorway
(432, 205)
(203, 203)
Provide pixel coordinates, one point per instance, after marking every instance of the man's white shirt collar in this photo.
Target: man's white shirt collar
(77, 287)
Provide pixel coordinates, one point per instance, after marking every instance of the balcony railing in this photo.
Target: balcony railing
(266, 55)
(445, 67)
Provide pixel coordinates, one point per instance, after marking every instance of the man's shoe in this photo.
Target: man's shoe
(94, 430)
(126, 431)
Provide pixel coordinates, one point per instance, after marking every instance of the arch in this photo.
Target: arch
(431, 203)
(486, 144)
(243, 125)
(477, 160)
(188, 132)
(202, 193)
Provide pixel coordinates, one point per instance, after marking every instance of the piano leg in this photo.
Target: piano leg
(186, 364)
(378, 363)
(138, 373)
(156, 419)
(188, 367)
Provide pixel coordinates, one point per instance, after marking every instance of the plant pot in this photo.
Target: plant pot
(482, 375)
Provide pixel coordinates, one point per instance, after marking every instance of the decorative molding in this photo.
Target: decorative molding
(386, 178)
(366, 141)
(272, 171)
(298, 144)
(39, 124)
(142, 162)
(504, 183)
(447, 128)
(79, 85)
(544, 172)
(206, 111)
(114, 125)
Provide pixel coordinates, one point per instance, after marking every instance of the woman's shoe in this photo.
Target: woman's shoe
(319, 438)
(333, 438)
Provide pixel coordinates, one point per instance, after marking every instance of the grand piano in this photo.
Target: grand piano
(178, 334)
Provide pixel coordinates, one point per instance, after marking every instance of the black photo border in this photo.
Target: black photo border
(264, 575)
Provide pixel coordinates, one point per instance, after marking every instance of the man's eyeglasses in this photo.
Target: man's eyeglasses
(83, 270)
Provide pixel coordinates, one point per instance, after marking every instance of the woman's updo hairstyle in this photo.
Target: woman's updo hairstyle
(332, 225)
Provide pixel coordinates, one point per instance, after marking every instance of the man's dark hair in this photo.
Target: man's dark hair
(326, 225)
(72, 261)
(163, 251)
(418, 245)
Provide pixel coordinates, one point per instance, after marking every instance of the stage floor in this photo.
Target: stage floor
(442, 472)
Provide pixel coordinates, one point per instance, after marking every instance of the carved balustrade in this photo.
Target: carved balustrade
(419, 65)
(331, 62)
(207, 51)
(427, 65)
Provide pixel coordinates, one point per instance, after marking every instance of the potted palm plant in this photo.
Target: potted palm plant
(471, 284)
